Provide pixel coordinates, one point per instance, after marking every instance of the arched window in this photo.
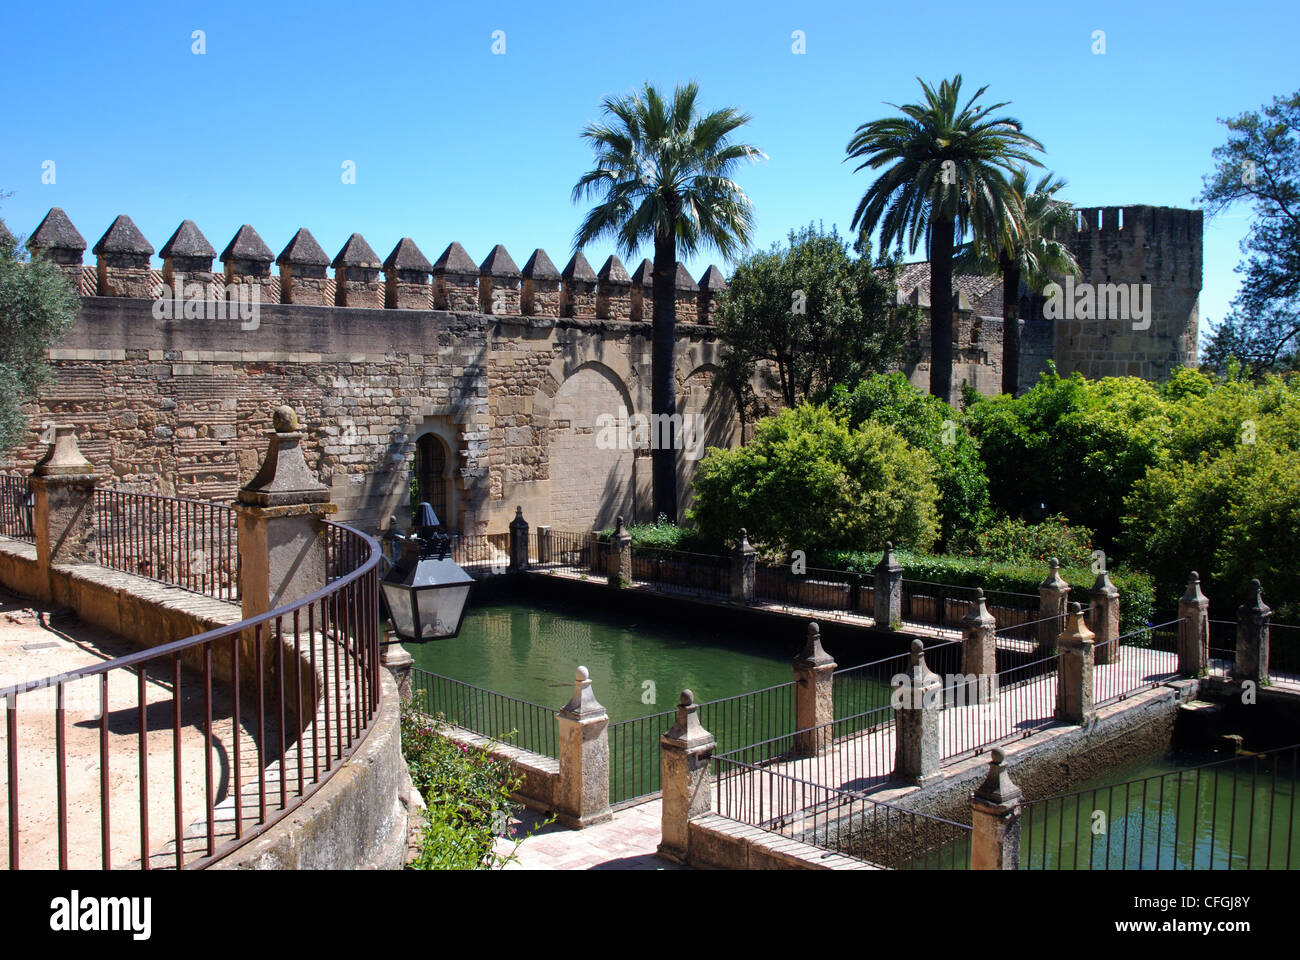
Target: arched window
(431, 478)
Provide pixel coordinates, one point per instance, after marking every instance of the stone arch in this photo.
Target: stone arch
(592, 481)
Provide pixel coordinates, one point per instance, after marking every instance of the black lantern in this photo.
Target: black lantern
(425, 592)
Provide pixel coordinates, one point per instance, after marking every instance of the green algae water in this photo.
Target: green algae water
(638, 666)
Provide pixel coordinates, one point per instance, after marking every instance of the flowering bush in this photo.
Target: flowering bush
(467, 793)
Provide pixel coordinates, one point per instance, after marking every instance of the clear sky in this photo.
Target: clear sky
(451, 141)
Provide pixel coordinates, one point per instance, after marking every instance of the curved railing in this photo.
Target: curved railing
(224, 733)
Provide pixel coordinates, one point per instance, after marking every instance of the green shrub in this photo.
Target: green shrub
(467, 793)
(1137, 595)
(926, 422)
(807, 481)
(663, 534)
(1009, 540)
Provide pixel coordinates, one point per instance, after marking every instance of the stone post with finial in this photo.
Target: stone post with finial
(917, 702)
(620, 556)
(280, 513)
(814, 699)
(63, 506)
(995, 819)
(583, 793)
(684, 755)
(1194, 630)
(1253, 618)
(1053, 594)
(888, 590)
(1103, 619)
(744, 570)
(518, 541)
(1074, 692)
(979, 650)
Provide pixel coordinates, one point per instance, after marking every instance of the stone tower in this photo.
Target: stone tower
(1132, 246)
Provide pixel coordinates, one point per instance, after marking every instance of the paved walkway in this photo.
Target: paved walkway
(627, 842)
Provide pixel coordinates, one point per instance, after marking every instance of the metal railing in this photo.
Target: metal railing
(1014, 704)
(509, 720)
(680, 571)
(867, 686)
(491, 550)
(816, 589)
(1147, 658)
(1233, 814)
(16, 520)
(225, 733)
(191, 544)
(838, 820)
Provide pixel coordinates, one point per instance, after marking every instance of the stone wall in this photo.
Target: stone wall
(183, 406)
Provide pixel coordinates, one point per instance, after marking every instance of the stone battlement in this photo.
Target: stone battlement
(495, 287)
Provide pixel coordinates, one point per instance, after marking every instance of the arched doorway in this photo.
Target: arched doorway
(431, 480)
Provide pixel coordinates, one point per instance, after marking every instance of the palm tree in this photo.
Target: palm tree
(943, 164)
(1030, 252)
(662, 176)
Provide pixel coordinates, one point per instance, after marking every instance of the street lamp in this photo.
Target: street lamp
(425, 592)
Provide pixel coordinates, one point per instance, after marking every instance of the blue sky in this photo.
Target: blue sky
(453, 142)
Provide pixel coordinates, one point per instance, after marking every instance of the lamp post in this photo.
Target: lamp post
(426, 592)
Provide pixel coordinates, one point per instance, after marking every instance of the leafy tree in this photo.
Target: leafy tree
(663, 176)
(1260, 164)
(807, 481)
(1072, 446)
(945, 166)
(818, 314)
(930, 424)
(1030, 253)
(37, 306)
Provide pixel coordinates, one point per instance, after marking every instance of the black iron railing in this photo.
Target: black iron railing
(508, 720)
(16, 508)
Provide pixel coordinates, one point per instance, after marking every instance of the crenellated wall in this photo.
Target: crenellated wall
(176, 398)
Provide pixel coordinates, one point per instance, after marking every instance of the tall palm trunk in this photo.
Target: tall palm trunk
(941, 249)
(1010, 325)
(663, 383)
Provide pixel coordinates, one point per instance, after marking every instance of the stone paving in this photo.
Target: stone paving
(627, 842)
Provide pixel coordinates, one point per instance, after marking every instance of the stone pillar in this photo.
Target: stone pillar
(995, 819)
(744, 570)
(498, 284)
(58, 241)
(123, 262)
(814, 697)
(539, 293)
(519, 541)
(712, 287)
(302, 270)
(979, 651)
(455, 281)
(578, 289)
(620, 556)
(187, 263)
(888, 590)
(684, 755)
(1053, 594)
(1074, 670)
(356, 275)
(686, 294)
(642, 302)
(544, 544)
(1194, 630)
(399, 662)
(583, 794)
(247, 259)
(1253, 618)
(613, 291)
(281, 533)
(63, 512)
(1103, 619)
(916, 722)
(406, 278)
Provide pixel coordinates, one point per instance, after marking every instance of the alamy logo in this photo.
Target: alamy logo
(1106, 301)
(189, 301)
(75, 913)
(656, 431)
